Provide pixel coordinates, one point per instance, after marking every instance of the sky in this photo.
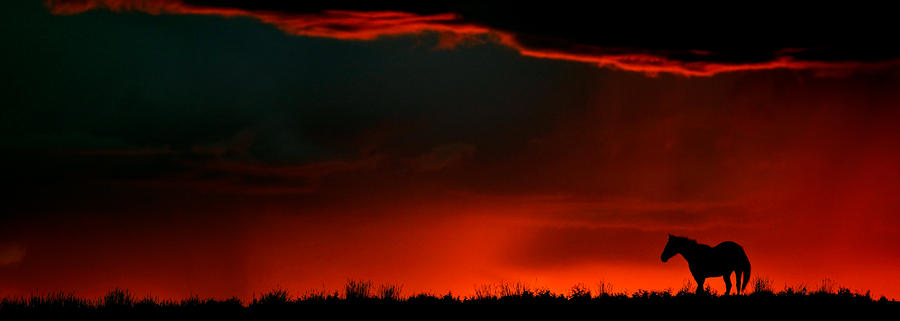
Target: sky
(220, 149)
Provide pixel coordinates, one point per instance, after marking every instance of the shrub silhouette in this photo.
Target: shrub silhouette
(390, 292)
(357, 290)
(118, 300)
(274, 297)
(828, 295)
(762, 286)
(580, 293)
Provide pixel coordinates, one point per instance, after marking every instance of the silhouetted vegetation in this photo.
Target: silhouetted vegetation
(364, 293)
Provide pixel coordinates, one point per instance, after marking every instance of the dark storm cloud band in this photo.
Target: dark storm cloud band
(338, 24)
(563, 41)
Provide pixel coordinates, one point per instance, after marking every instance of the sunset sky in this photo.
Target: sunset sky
(227, 148)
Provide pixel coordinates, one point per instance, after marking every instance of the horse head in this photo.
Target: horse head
(670, 249)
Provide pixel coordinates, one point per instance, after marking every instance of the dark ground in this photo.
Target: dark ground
(358, 302)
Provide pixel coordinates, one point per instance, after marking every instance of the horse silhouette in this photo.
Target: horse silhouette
(706, 261)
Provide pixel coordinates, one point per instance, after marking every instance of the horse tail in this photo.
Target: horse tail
(746, 274)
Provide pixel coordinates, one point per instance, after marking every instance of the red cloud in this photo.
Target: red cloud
(653, 64)
(338, 24)
(369, 25)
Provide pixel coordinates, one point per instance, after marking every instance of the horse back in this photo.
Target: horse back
(729, 245)
(730, 249)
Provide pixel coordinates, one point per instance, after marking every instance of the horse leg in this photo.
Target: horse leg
(737, 281)
(727, 278)
(699, 284)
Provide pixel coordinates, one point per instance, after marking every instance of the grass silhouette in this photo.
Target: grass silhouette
(364, 293)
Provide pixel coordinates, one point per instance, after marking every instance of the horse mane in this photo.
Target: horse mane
(685, 239)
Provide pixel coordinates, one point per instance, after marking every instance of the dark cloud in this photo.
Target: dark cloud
(674, 39)
(149, 151)
(636, 214)
(11, 253)
(443, 156)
